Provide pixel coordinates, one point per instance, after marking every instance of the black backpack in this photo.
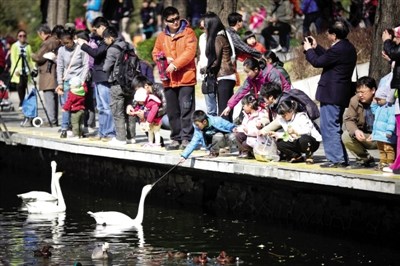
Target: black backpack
(306, 104)
(126, 68)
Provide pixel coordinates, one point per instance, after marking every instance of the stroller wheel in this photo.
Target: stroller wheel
(37, 121)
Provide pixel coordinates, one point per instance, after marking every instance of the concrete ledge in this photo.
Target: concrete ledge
(365, 180)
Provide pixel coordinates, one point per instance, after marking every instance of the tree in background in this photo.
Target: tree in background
(386, 17)
(222, 8)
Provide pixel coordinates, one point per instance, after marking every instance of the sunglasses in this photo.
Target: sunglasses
(22, 35)
(173, 20)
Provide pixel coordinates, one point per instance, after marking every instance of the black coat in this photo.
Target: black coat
(338, 63)
(393, 51)
(99, 55)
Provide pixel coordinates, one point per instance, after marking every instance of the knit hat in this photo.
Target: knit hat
(76, 87)
(141, 95)
(248, 34)
(397, 32)
(75, 81)
(382, 92)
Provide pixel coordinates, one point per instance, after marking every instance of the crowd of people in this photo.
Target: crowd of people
(79, 71)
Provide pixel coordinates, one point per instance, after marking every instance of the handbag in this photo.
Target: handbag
(210, 84)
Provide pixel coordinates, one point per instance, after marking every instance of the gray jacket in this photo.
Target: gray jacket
(79, 66)
(113, 53)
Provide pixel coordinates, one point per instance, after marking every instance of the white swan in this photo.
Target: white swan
(117, 218)
(101, 252)
(49, 206)
(42, 195)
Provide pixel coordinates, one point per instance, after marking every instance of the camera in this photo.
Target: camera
(34, 73)
(310, 40)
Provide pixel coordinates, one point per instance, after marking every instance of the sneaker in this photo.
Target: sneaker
(63, 134)
(213, 154)
(387, 170)
(299, 159)
(107, 139)
(95, 138)
(85, 130)
(174, 145)
(184, 144)
(359, 164)
(246, 155)
(334, 165)
(116, 142)
(130, 141)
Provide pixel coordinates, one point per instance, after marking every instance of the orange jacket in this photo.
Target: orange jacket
(182, 48)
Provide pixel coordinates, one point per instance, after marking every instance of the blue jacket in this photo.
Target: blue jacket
(220, 124)
(338, 63)
(384, 123)
(309, 6)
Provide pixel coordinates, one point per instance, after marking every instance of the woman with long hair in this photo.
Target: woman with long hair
(219, 53)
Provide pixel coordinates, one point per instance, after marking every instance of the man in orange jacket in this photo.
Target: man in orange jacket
(178, 42)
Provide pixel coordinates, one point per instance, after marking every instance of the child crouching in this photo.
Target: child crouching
(75, 104)
(151, 123)
(299, 136)
(212, 132)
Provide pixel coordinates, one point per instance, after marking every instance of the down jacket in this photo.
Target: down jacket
(182, 48)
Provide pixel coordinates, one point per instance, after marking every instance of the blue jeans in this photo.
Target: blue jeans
(103, 100)
(331, 121)
(66, 115)
(211, 103)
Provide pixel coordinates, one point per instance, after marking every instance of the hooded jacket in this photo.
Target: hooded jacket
(180, 46)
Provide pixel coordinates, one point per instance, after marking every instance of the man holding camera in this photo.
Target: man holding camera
(334, 88)
(45, 61)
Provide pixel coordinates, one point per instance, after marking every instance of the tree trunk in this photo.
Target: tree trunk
(222, 8)
(386, 17)
(57, 12)
(181, 5)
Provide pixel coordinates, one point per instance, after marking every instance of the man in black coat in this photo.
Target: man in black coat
(334, 88)
(100, 79)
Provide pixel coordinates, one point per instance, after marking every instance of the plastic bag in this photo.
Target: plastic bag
(265, 149)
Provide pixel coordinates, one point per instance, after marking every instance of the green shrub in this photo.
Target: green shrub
(144, 49)
(360, 38)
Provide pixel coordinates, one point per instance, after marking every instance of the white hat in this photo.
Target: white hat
(141, 95)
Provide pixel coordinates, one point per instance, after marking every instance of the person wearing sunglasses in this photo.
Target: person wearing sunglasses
(21, 63)
(178, 42)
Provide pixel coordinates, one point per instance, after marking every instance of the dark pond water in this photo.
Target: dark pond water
(74, 234)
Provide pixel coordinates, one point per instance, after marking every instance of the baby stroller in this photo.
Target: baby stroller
(30, 110)
(5, 103)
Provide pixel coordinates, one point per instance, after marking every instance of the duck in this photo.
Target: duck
(201, 259)
(42, 195)
(118, 218)
(223, 258)
(177, 255)
(101, 252)
(43, 252)
(49, 206)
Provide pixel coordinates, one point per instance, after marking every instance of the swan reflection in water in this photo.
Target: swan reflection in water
(55, 221)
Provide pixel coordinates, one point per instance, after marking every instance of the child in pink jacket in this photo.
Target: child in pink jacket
(150, 104)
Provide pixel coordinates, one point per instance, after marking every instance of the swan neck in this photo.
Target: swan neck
(60, 198)
(140, 213)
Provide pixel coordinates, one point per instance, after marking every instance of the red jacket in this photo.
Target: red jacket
(182, 48)
(257, 46)
(151, 106)
(74, 103)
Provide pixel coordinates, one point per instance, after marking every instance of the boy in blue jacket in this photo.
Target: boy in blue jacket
(212, 132)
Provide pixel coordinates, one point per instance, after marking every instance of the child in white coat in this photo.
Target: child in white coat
(299, 135)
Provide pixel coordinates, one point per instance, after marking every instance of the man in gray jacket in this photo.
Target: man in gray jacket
(124, 133)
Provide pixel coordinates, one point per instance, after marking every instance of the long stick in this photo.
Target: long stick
(172, 168)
